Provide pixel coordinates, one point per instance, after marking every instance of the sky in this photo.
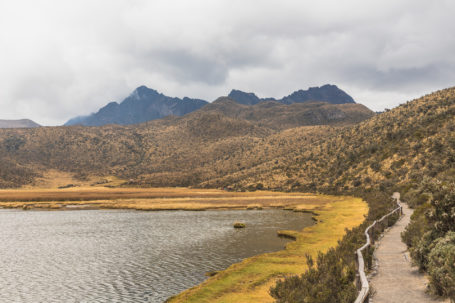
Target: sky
(60, 58)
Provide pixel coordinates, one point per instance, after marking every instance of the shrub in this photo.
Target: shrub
(417, 227)
(311, 287)
(441, 266)
(419, 252)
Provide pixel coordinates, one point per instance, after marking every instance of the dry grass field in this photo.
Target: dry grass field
(151, 199)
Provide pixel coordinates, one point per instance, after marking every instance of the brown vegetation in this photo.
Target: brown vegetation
(152, 199)
(219, 140)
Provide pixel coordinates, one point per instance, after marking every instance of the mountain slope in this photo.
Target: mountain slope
(23, 123)
(402, 145)
(326, 93)
(219, 139)
(142, 105)
(280, 116)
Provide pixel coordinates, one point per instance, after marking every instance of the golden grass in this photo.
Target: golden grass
(251, 279)
(150, 198)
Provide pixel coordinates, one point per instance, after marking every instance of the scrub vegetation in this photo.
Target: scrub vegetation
(431, 234)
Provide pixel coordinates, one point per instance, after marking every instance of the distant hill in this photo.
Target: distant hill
(278, 116)
(23, 123)
(326, 93)
(144, 104)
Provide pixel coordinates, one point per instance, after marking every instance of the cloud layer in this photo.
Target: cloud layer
(59, 59)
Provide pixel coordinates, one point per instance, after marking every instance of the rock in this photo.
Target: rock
(239, 225)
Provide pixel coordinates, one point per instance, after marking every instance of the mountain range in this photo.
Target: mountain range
(146, 104)
(326, 93)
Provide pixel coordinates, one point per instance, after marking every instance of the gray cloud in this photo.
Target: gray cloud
(65, 58)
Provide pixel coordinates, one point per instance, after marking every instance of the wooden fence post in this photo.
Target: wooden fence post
(358, 283)
(371, 234)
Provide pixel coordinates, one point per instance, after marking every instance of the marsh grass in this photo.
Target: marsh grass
(149, 199)
(251, 279)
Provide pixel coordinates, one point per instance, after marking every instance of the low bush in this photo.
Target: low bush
(441, 266)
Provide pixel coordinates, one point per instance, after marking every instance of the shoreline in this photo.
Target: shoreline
(250, 280)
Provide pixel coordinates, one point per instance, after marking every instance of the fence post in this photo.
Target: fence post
(358, 283)
(371, 234)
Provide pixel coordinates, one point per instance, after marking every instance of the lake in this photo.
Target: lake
(127, 256)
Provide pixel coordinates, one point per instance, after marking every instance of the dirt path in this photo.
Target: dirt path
(396, 280)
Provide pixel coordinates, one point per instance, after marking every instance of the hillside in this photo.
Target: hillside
(415, 139)
(23, 123)
(220, 139)
(280, 116)
(326, 93)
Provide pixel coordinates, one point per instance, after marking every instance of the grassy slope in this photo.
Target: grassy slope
(250, 280)
(401, 145)
(184, 151)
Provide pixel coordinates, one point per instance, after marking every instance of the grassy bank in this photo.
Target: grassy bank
(251, 279)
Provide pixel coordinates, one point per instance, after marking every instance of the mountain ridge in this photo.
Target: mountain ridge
(145, 104)
(142, 105)
(326, 93)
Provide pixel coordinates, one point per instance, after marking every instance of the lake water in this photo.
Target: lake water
(127, 256)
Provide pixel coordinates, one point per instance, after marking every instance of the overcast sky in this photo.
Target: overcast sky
(61, 58)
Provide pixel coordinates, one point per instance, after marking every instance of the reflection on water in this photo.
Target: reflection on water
(127, 256)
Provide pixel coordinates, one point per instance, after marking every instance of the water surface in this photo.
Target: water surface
(127, 256)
